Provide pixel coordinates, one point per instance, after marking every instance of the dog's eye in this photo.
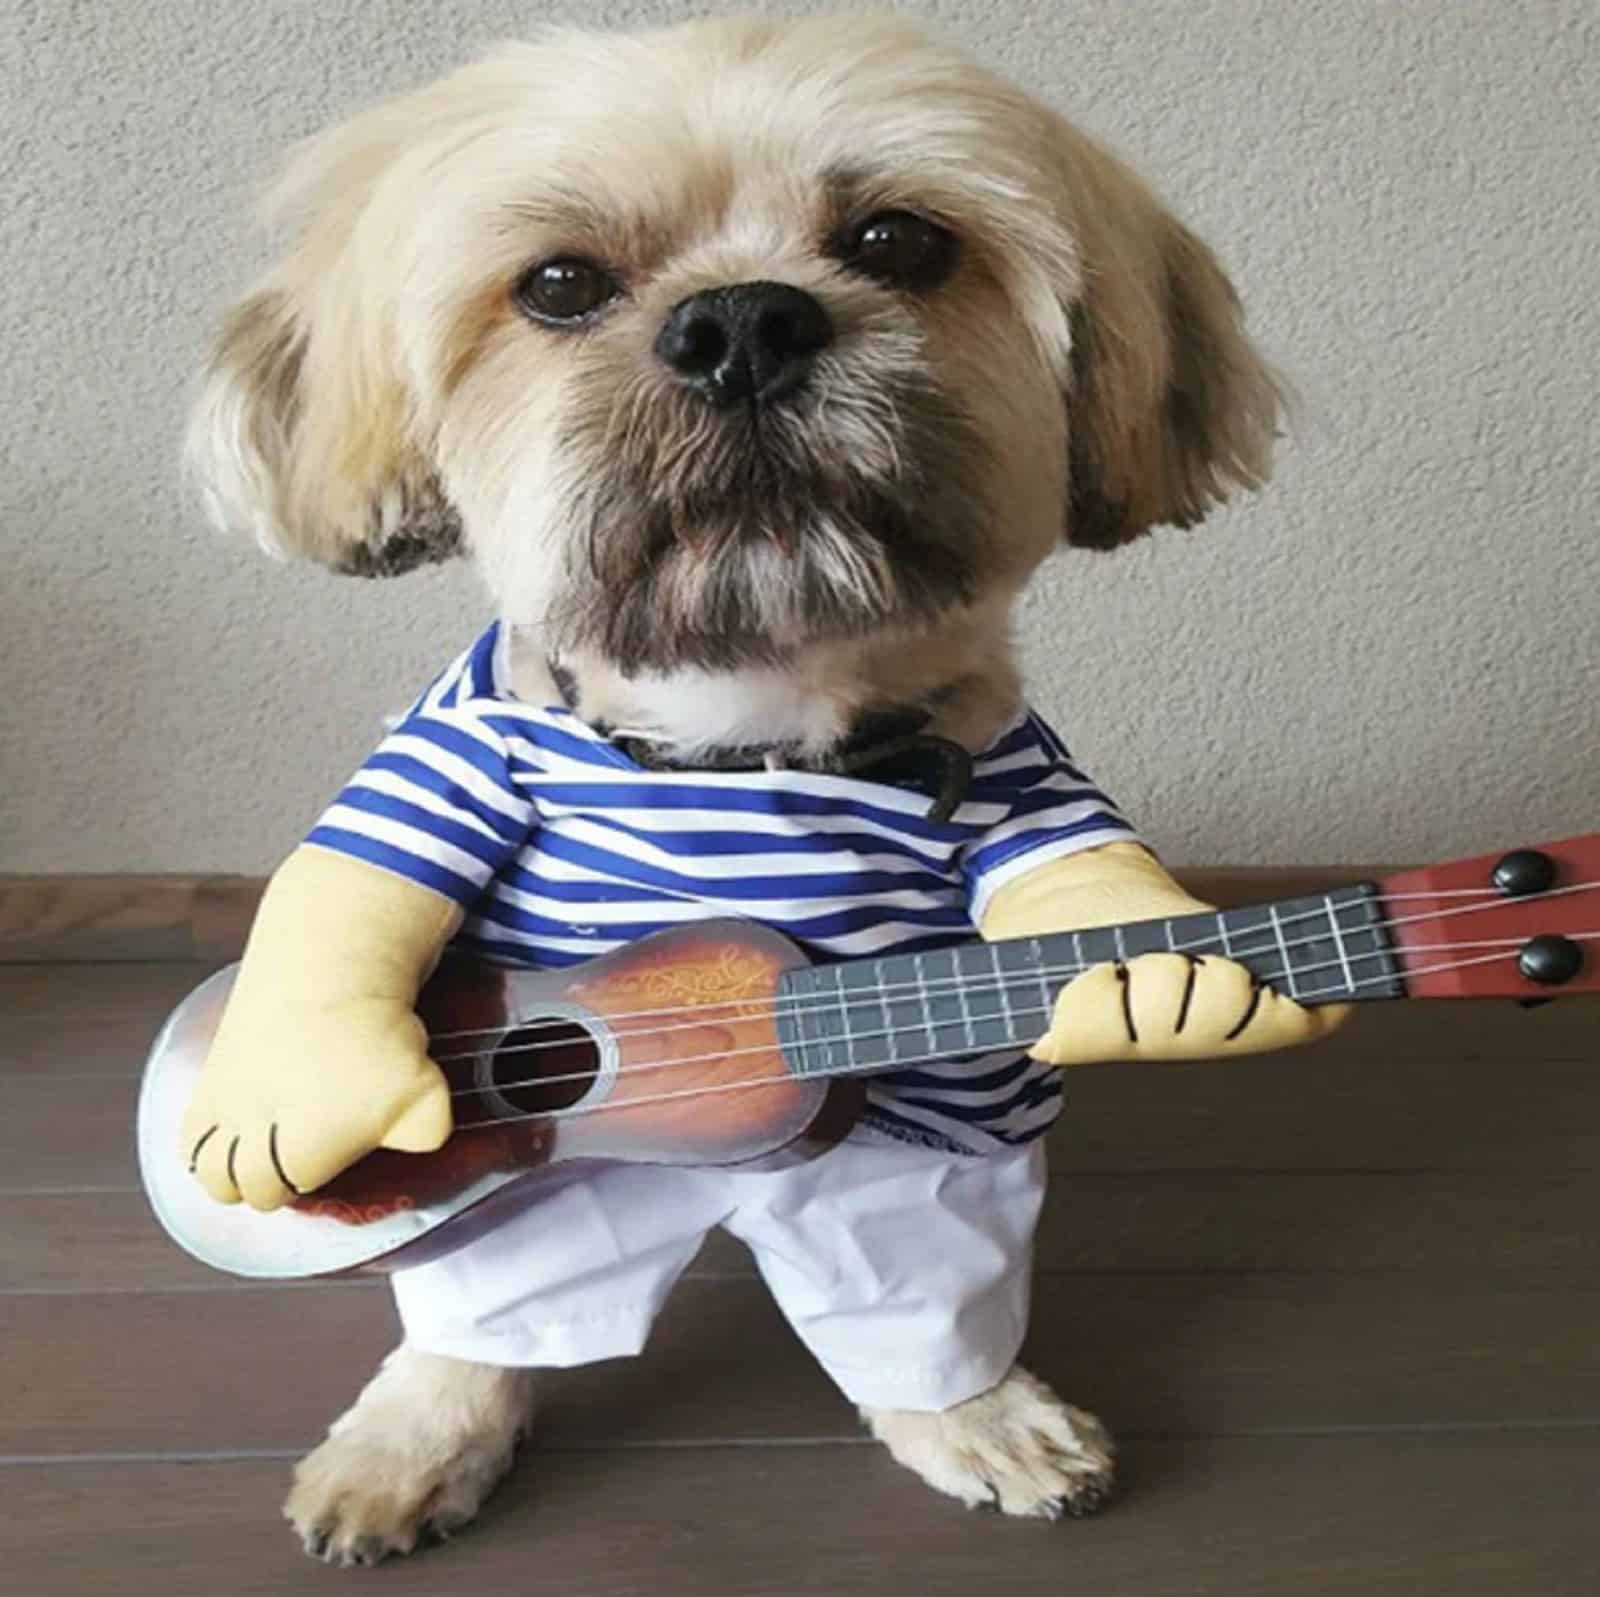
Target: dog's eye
(901, 249)
(565, 290)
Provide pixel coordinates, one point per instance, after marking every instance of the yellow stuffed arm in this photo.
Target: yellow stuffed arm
(320, 1057)
(1157, 1006)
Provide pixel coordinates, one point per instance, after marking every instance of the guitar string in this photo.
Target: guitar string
(775, 1081)
(936, 986)
(1321, 913)
(868, 998)
(845, 998)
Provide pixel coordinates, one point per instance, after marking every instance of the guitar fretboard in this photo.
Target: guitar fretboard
(908, 1009)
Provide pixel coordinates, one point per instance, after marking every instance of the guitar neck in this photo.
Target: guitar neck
(905, 1009)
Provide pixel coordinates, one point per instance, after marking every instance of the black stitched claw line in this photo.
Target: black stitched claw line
(233, 1149)
(1256, 990)
(1127, 1002)
(272, 1150)
(1195, 962)
(194, 1155)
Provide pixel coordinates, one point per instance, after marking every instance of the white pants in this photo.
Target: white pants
(904, 1270)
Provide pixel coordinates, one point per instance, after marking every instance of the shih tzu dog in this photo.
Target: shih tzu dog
(756, 366)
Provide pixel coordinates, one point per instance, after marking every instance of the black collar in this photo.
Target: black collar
(883, 745)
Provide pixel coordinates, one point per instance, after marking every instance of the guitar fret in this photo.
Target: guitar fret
(798, 1013)
(1338, 943)
(1122, 949)
(846, 1033)
(966, 1007)
(1077, 954)
(888, 1019)
(1283, 948)
(922, 1000)
(1003, 996)
(1222, 931)
(1047, 998)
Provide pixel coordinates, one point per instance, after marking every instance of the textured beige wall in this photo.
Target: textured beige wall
(1391, 654)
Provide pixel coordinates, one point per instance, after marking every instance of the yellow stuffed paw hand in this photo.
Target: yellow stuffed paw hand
(292, 1094)
(1173, 1007)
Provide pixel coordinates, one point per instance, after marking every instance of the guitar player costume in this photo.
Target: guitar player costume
(902, 1256)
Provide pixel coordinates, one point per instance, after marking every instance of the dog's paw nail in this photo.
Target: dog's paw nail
(1016, 1449)
(368, 1550)
(1087, 1500)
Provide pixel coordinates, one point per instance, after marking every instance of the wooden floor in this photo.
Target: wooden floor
(1341, 1309)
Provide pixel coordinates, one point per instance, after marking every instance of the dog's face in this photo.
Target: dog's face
(716, 343)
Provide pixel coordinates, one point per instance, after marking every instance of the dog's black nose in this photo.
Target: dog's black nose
(753, 341)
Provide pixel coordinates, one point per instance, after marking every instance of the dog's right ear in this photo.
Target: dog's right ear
(304, 435)
(1172, 407)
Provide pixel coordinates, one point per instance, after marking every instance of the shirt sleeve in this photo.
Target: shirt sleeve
(437, 802)
(1052, 809)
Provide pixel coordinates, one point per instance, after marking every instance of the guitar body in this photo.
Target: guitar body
(530, 1056)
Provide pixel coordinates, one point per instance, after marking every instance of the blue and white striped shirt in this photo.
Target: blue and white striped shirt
(560, 848)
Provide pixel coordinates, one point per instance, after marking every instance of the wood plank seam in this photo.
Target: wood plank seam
(115, 919)
(672, 1444)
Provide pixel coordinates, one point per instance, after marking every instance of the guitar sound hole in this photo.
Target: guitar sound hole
(543, 1067)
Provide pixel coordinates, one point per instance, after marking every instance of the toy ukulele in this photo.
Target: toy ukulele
(719, 1043)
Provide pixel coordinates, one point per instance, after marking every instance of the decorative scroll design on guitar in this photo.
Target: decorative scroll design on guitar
(720, 976)
(346, 1213)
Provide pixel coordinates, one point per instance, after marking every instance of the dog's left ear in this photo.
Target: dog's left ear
(305, 434)
(1171, 407)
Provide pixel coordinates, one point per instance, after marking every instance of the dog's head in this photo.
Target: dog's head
(712, 343)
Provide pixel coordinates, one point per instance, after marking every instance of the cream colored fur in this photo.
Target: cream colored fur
(379, 401)
(414, 1457)
(1016, 1447)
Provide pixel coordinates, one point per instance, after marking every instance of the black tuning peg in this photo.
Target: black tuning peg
(1524, 872)
(1550, 961)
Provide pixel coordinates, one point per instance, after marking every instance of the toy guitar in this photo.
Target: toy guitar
(719, 1043)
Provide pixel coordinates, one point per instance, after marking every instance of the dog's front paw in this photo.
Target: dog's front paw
(1016, 1447)
(412, 1461)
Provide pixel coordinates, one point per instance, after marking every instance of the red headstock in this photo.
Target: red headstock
(1461, 933)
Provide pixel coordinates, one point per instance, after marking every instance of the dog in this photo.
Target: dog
(756, 366)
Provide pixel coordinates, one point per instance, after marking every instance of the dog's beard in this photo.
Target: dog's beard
(719, 541)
